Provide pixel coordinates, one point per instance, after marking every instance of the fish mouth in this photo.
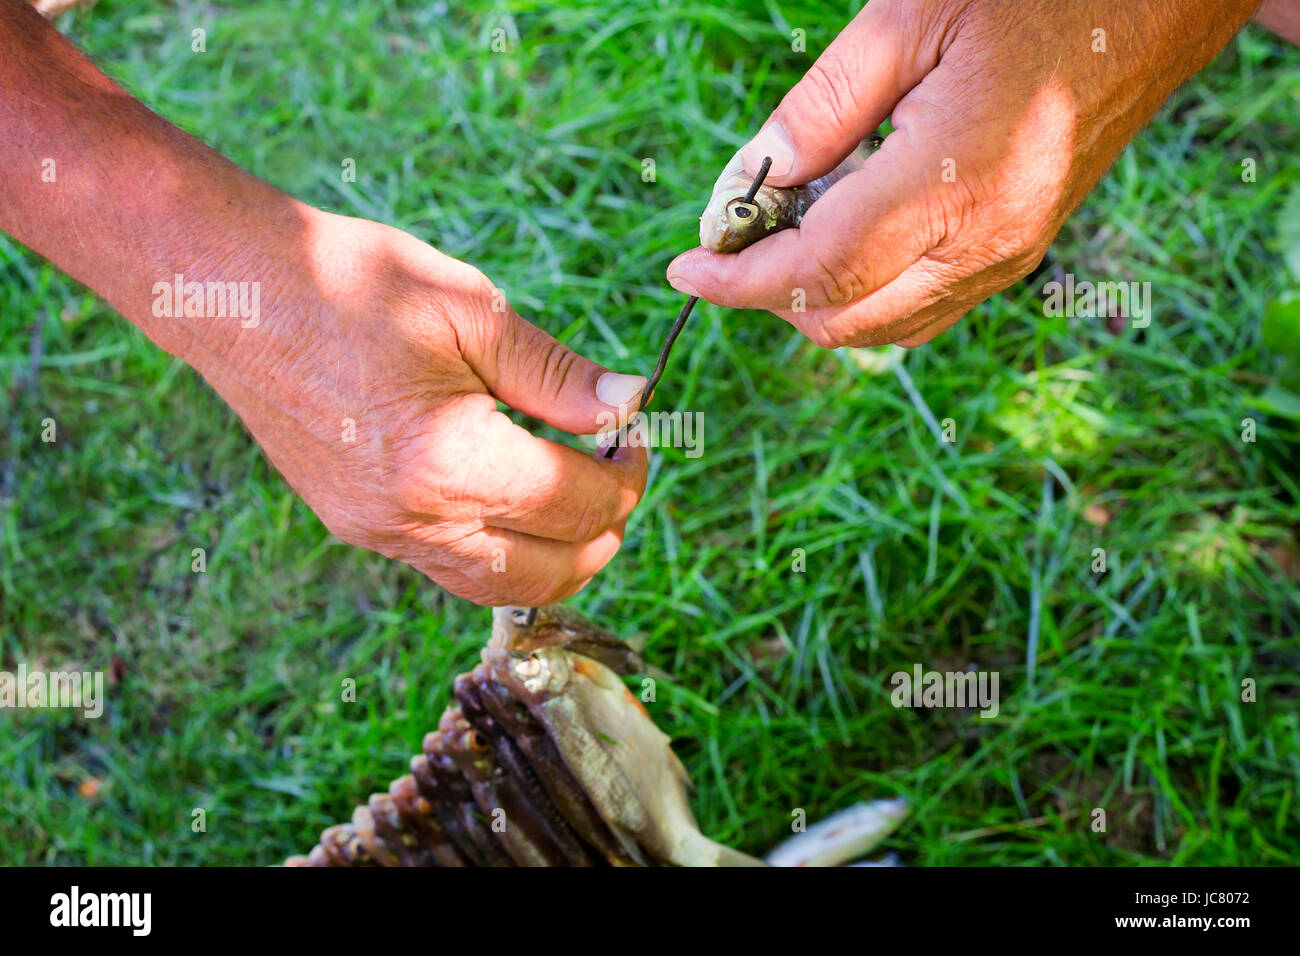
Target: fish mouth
(508, 621)
(729, 240)
(730, 224)
(713, 235)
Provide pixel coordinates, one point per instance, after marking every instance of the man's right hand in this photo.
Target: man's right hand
(1005, 114)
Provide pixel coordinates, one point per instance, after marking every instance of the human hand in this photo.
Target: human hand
(1005, 112)
(373, 388)
(52, 8)
(366, 364)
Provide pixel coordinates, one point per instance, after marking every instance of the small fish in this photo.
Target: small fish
(729, 224)
(841, 837)
(546, 758)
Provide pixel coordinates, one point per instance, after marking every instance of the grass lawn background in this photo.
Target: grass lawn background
(528, 164)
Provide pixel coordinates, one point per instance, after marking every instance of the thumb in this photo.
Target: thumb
(845, 95)
(530, 371)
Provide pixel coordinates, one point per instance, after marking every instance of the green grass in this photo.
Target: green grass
(528, 165)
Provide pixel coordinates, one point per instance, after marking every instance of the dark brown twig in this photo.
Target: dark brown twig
(682, 316)
(675, 331)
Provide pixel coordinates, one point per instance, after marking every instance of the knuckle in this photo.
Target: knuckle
(910, 113)
(560, 366)
(531, 497)
(459, 559)
(837, 277)
(829, 90)
(873, 337)
(951, 209)
(1016, 237)
(594, 518)
(1010, 254)
(438, 491)
(821, 336)
(968, 229)
(1010, 248)
(537, 593)
(480, 597)
(431, 467)
(1025, 258)
(472, 305)
(410, 491)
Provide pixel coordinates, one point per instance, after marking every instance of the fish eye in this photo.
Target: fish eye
(742, 213)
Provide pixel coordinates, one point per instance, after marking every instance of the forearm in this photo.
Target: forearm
(119, 198)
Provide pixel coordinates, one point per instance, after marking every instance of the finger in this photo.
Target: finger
(485, 467)
(496, 567)
(529, 370)
(933, 329)
(845, 95)
(861, 234)
(899, 310)
(928, 297)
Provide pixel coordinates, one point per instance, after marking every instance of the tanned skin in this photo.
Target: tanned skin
(359, 323)
(365, 324)
(1006, 113)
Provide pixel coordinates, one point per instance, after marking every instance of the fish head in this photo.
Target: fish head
(732, 220)
(522, 631)
(729, 223)
(608, 742)
(468, 747)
